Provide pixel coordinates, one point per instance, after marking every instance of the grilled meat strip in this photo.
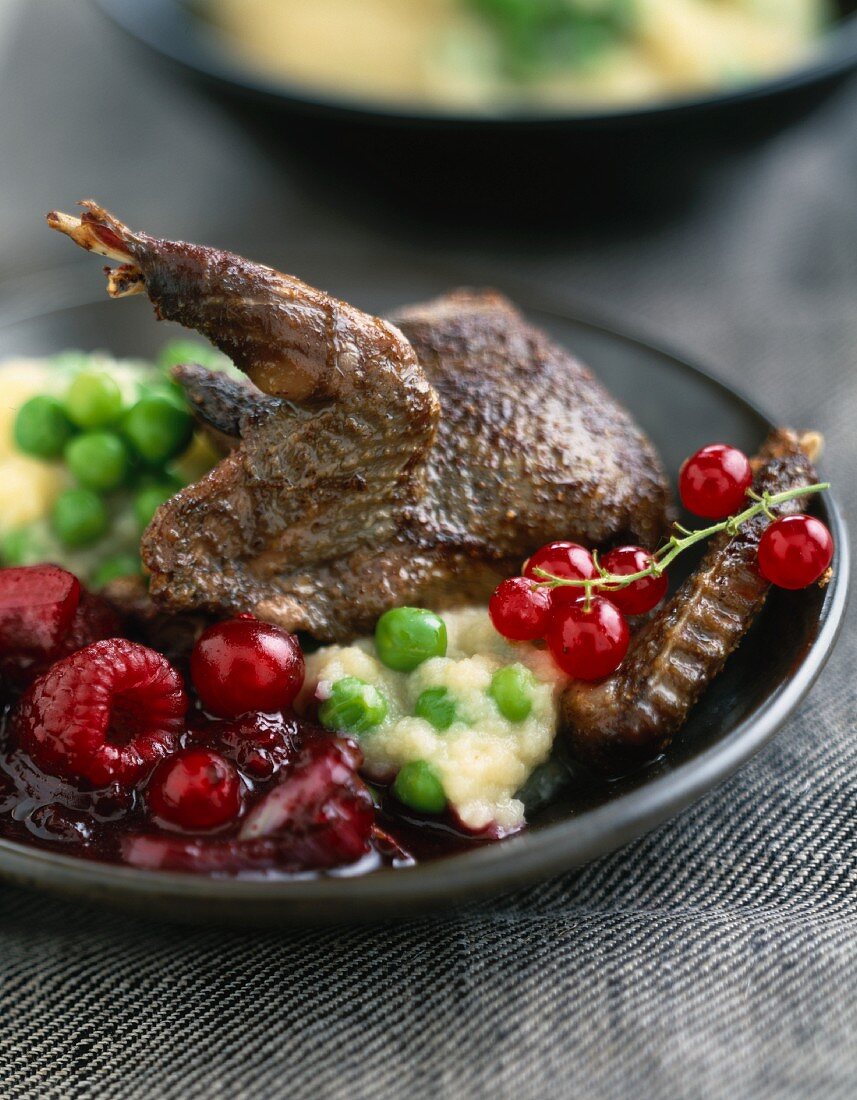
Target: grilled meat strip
(629, 718)
(417, 463)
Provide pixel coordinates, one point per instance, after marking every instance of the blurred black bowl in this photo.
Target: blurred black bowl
(536, 163)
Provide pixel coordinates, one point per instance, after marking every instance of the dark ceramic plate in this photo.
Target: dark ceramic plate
(680, 407)
(537, 163)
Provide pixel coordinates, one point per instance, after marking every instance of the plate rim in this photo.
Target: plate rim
(493, 868)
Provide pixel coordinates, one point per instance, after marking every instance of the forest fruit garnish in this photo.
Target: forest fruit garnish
(639, 596)
(45, 615)
(243, 665)
(663, 557)
(713, 482)
(37, 607)
(589, 639)
(106, 714)
(561, 559)
(795, 551)
(520, 609)
(195, 790)
(584, 622)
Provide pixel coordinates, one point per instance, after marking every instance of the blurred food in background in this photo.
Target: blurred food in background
(497, 55)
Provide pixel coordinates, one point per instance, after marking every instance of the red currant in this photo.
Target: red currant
(642, 595)
(794, 551)
(568, 560)
(713, 482)
(520, 609)
(243, 664)
(195, 789)
(590, 643)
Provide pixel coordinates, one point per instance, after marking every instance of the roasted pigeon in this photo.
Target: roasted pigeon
(372, 463)
(629, 718)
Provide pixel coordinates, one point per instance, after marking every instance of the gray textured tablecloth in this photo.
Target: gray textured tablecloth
(716, 957)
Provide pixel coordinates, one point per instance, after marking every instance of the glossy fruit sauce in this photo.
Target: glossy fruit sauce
(106, 752)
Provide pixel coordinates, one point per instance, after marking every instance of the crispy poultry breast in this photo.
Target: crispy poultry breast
(416, 462)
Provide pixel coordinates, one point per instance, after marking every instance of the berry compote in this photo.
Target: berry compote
(108, 753)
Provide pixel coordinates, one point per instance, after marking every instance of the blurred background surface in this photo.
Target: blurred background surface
(86, 113)
(753, 271)
(759, 252)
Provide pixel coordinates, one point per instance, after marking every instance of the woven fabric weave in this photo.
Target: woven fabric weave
(715, 958)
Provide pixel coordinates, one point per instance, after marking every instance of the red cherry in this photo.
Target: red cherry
(195, 789)
(520, 609)
(794, 551)
(642, 595)
(713, 482)
(588, 644)
(243, 664)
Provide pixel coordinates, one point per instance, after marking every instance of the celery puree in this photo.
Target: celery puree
(482, 758)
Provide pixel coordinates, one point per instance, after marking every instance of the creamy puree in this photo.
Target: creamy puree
(483, 759)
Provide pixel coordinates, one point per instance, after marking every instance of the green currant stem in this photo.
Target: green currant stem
(667, 554)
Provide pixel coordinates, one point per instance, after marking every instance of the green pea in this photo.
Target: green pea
(22, 546)
(79, 518)
(512, 690)
(436, 706)
(42, 428)
(167, 388)
(188, 351)
(354, 706)
(98, 460)
(114, 567)
(94, 399)
(158, 427)
(419, 786)
(407, 636)
(149, 500)
(69, 360)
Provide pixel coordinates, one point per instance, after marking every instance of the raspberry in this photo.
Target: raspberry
(37, 607)
(105, 714)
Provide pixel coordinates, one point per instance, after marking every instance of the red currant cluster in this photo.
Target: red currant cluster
(578, 604)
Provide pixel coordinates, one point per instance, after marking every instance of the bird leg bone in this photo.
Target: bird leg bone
(97, 234)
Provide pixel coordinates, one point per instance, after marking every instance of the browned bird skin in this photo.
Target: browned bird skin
(414, 464)
(225, 407)
(629, 718)
(530, 446)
